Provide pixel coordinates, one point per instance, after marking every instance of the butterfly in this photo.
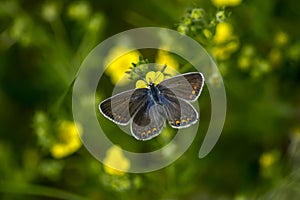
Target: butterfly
(147, 109)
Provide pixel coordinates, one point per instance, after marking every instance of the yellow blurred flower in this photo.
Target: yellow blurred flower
(96, 22)
(281, 38)
(151, 77)
(164, 58)
(50, 11)
(68, 140)
(79, 10)
(225, 41)
(247, 57)
(275, 56)
(207, 33)
(21, 30)
(294, 51)
(267, 159)
(116, 70)
(221, 3)
(220, 53)
(244, 62)
(263, 65)
(269, 164)
(224, 32)
(114, 160)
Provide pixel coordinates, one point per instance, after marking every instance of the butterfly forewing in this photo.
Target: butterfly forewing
(187, 86)
(121, 107)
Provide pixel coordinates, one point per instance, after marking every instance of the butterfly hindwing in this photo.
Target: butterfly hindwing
(180, 113)
(186, 116)
(148, 121)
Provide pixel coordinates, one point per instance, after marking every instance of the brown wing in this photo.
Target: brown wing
(121, 107)
(185, 86)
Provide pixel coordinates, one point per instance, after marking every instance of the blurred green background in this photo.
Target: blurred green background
(256, 46)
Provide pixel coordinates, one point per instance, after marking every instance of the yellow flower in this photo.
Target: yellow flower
(50, 11)
(267, 159)
(115, 162)
(220, 53)
(207, 33)
(225, 41)
(151, 77)
(116, 70)
(68, 140)
(224, 32)
(96, 22)
(164, 58)
(221, 3)
(79, 10)
(281, 38)
(21, 30)
(244, 62)
(275, 56)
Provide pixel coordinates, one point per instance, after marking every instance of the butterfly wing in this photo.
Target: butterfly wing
(149, 121)
(186, 86)
(179, 112)
(121, 107)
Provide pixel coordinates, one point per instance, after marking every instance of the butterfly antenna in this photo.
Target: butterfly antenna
(162, 71)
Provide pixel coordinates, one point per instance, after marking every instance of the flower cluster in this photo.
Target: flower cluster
(197, 24)
(222, 3)
(115, 160)
(68, 140)
(268, 162)
(121, 73)
(250, 61)
(225, 42)
(65, 140)
(152, 76)
(118, 68)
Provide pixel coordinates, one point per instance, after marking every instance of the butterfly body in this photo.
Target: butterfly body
(147, 109)
(155, 93)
